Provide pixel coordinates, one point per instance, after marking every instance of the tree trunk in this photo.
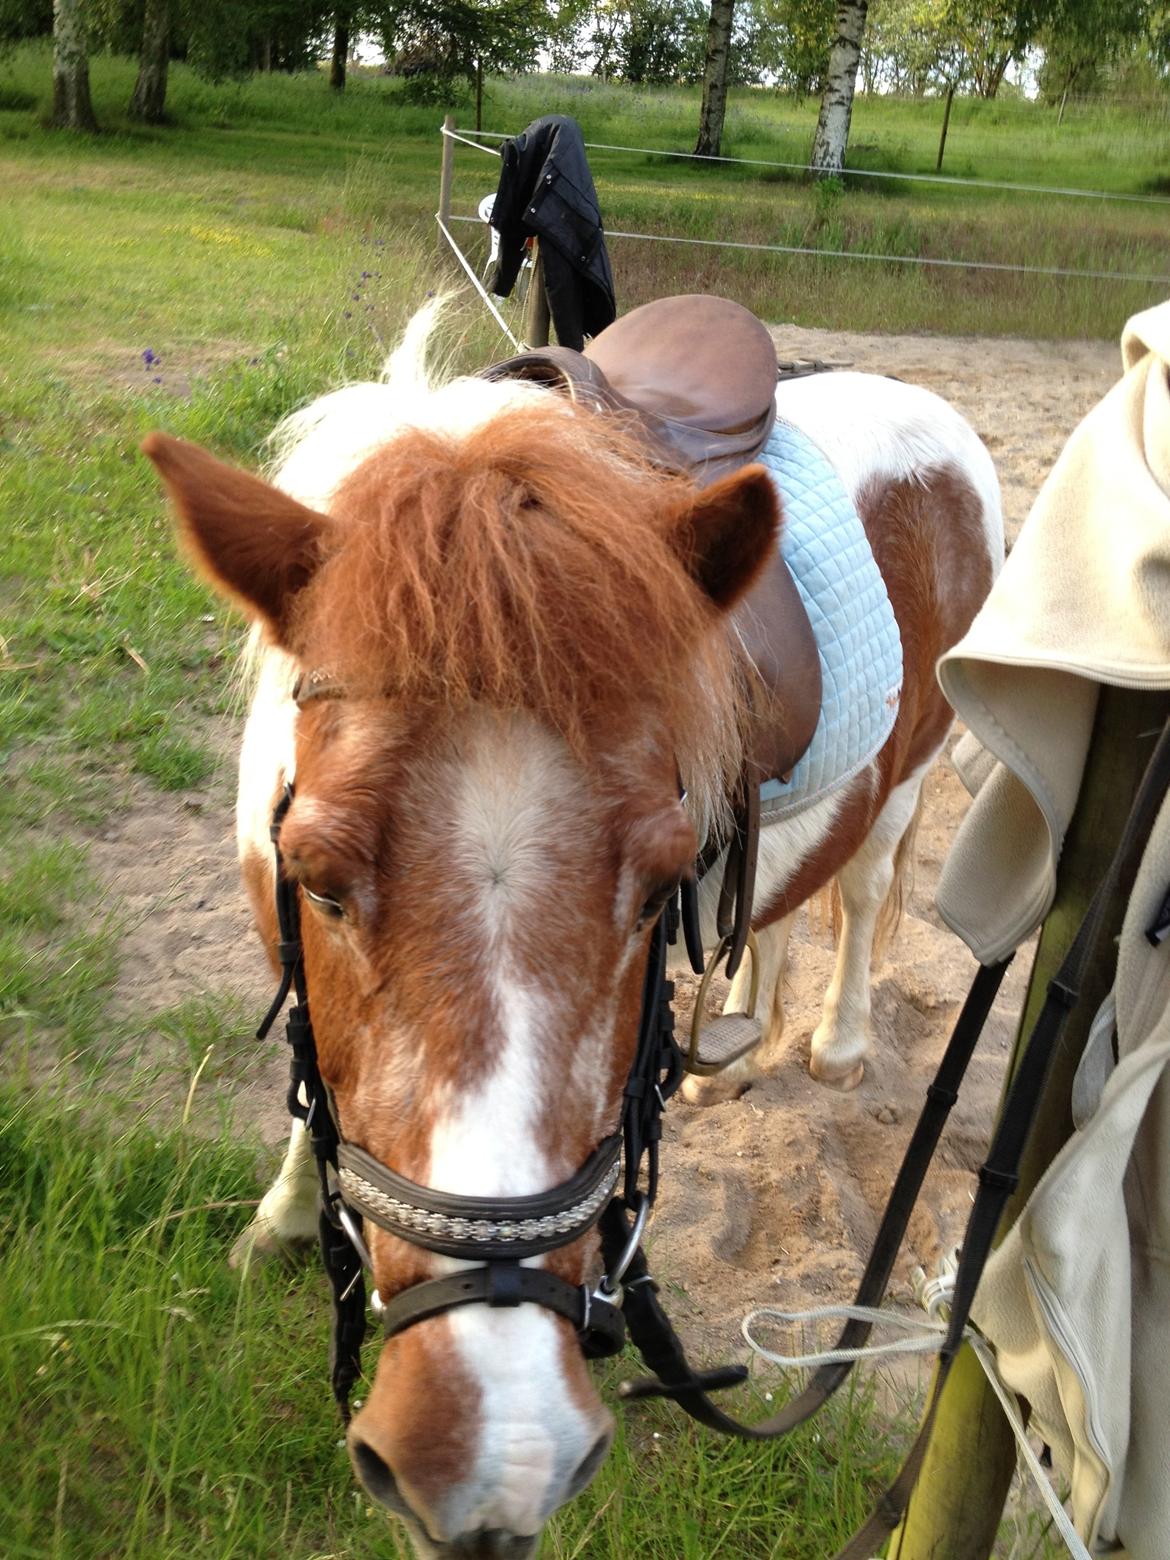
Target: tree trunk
(942, 140)
(72, 108)
(832, 137)
(340, 51)
(149, 97)
(479, 94)
(990, 73)
(714, 107)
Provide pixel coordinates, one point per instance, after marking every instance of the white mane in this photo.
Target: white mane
(313, 450)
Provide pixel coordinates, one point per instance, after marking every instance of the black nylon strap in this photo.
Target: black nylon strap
(343, 1267)
(1000, 1172)
(598, 1324)
(659, 1345)
(342, 1263)
(689, 913)
(655, 1075)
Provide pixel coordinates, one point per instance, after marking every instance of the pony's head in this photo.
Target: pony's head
(524, 622)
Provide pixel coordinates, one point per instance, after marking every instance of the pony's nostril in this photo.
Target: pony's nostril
(374, 1473)
(492, 1544)
(590, 1463)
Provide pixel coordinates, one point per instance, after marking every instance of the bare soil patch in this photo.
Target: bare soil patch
(772, 1199)
(1023, 398)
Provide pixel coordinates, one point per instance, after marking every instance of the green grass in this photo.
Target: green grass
(153, 1406)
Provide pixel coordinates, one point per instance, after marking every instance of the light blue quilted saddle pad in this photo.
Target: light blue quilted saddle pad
(824, 545)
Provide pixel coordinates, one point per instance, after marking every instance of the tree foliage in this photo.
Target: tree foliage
(450, 38)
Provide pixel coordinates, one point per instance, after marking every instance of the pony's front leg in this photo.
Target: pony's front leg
(841, 1039)
(287, 1215)
(732, 1081)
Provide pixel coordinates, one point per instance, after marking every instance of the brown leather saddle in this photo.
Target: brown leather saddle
(696, 376)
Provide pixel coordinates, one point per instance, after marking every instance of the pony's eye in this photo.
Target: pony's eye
(333, 908)
(659, 896)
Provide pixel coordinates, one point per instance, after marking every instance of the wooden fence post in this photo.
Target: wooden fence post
(958, 1502)
(445, 178)
(536, 314)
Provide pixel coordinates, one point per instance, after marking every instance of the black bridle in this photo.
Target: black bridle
(508, 1230)
(498, 1233)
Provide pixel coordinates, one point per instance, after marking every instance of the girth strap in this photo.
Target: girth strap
(597, 1323)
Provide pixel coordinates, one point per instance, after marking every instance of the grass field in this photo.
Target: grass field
(151, 1406)
(207, 278)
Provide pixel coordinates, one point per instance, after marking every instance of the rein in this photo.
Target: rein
(501, 1233)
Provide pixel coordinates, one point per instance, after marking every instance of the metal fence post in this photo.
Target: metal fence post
(958, 1502)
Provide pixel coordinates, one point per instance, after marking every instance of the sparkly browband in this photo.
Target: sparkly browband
(492, 1228)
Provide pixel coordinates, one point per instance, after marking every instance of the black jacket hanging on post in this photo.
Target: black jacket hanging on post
(546, 190)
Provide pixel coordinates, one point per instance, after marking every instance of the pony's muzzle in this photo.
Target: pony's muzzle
(484, 1544)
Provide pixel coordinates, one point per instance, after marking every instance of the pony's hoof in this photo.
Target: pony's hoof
(834, 1078)
(258, 1246)
(716, 1088)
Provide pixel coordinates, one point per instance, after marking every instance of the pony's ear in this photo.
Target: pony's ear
(726, 537)
(252, 541)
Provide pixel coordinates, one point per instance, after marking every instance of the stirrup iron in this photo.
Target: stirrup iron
(725, 1039)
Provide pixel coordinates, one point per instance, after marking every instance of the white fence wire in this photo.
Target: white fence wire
(848, 173)
(1002, 266)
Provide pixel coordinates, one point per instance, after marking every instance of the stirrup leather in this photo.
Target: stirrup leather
(725, 1039)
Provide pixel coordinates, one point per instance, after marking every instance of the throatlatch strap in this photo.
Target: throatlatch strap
(999, 1175)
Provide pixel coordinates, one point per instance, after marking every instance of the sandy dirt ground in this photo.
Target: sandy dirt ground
(772, 1199)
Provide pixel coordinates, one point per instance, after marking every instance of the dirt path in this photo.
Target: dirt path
(772, 1199)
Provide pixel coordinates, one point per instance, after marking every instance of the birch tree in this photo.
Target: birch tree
(72, 107)
(714, 108)
(832, 137)
(149, 97)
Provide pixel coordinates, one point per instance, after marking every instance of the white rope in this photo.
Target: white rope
(1007, 1401)
(453, 135)
(865, 173)
(926, 1336)
(477, 284)
(860, 254)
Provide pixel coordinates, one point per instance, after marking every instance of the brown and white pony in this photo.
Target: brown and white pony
(530, 626)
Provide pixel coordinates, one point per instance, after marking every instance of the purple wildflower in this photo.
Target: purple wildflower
(148, 358)
(157, 379)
